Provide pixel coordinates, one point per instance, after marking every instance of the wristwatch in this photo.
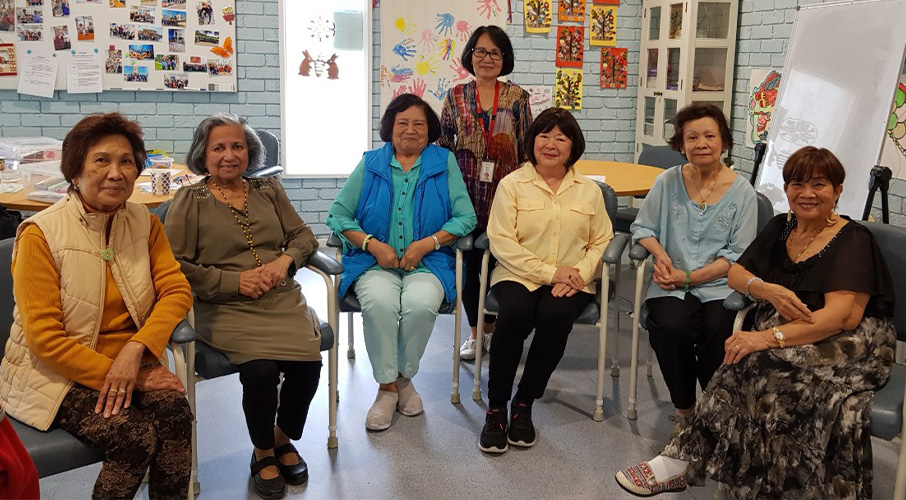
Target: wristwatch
(778, 336)
(436, 242)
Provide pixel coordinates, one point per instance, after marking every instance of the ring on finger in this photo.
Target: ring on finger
(121, 391)
(111, 391)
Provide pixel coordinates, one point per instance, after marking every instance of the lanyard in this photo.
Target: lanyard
(486, 134)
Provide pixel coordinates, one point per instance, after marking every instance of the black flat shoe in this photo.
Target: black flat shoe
(295, 474)
(268, 489)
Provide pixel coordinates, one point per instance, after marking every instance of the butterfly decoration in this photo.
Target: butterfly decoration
(226, 50)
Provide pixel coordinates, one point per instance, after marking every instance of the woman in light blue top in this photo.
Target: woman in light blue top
(696, 221)
(397, 214)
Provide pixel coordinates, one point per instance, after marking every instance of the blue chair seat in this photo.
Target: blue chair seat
(56, 450)
(590, 315)
(887, 408)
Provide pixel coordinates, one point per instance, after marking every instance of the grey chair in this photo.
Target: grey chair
(271, 167)
(593, 314)
(655, 156)
(56, 450)
(350, 305)
(889, 403)
(640, 255)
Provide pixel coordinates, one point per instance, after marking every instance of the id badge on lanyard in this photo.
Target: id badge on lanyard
(486, 173)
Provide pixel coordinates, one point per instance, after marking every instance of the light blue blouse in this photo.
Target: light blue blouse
(692, 237)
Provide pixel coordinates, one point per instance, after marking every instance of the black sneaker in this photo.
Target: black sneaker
(493, 436)
(522, 432)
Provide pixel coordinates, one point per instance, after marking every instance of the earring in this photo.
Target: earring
(789, 215)
(832, 218)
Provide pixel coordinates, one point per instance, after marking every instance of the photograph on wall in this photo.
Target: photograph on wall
(114, 63)
(194, 65)
(613, 68)
(141, 51)
(84, 28)
(149, 2)
(173, 18)
(166, 62)
(122, 31)
(8, 66)
(34, 3)
(537, 16)
(570, 46)
(117, 4)
(59, 8)
(568, 94)
(205, 13)
(30, 33)
(176, 40)
(764, 85)
(7, 15)
(90, 2)
(29, 16)
(178, 81)
(207, 37)
(220, 67)
(571, 11)
(150, 34)
(61, 38)
(136, 74)
(603, 24)
(173, 4)
(541, 97)
(141, 15)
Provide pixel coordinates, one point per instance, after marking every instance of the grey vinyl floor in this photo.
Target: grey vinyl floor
(435, 455)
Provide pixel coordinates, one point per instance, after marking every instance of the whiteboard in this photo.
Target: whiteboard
(162, 44)
(839, 78)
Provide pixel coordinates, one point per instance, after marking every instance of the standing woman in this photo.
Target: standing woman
(470, 111)
(696, 221)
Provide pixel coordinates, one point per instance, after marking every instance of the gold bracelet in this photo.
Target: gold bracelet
(365, 242)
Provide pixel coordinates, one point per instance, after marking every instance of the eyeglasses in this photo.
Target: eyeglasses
(496, 55)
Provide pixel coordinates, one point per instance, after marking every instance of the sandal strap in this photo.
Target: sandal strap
(285, 449)
(264, 462)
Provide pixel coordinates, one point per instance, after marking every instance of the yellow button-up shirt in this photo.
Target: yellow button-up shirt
(533, 230)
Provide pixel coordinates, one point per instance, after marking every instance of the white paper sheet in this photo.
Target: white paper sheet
(86, 70)
(37, 71)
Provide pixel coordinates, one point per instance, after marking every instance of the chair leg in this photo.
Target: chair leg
(602, 346)
(650, 361)
(350, 351)
(457, 329)
(632, 414)
(479, 341)
(615, 357)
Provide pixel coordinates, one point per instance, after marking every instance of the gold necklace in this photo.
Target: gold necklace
(246, 228)
(806, 245)
(704, 203)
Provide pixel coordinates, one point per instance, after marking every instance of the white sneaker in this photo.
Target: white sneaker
(487, 342)
(467, 350)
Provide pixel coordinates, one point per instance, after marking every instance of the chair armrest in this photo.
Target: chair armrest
(325, 263)
(736, 302)
(333, 241)
(183, 333)
(272, 171)
(465, 243)
(482, 242)
(638, 252)
(614, 250)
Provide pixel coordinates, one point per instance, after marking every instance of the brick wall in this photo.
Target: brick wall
(607, 117)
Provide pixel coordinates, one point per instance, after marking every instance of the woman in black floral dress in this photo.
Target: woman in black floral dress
(788, 414)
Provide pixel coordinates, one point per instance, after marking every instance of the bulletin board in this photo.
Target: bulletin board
(167, 45)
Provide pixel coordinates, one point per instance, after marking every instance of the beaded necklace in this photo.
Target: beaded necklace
(246, 228)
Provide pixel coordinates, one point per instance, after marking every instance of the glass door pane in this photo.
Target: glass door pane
(649, 116)
(713, 20)
(709, 69)
(676, 21)
(651, 76)
(654, 23)
(673, 69)
(669, 115)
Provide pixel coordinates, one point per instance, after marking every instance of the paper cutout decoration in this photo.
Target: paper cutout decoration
(319, 65)
(8, 66)
(613, 68)
(569, 89)
(537, 16)
(226, 50)
(570, 46)
(571, 11)
(764, 85)
(541, 97)
(607, 2)
(229, 15)
(603, 24)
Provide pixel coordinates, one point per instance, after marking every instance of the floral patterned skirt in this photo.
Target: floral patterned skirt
(793, 422)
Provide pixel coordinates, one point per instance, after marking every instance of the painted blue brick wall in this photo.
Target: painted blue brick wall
(608, 116)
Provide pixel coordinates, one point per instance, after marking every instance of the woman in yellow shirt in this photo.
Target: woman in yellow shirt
(548, 229)
(98, 293)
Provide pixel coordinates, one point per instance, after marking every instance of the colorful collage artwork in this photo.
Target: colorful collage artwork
(570, 46)
(764, 86)
(571, 11)
(613, 68)
(568, 93)
(603, 25)
(537, 16)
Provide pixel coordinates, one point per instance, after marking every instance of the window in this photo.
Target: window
(325, 86)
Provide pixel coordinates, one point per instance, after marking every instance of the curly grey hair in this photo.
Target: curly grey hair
(195, 158)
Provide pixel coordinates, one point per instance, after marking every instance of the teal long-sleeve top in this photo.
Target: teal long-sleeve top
(342, 211)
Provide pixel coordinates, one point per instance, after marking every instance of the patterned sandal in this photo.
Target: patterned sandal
(640, 481)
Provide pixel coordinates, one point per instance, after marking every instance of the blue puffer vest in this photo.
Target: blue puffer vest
(431, 210)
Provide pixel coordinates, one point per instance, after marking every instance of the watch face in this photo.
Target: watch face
(778, 335)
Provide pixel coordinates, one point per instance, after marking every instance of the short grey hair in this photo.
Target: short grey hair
(195, 158)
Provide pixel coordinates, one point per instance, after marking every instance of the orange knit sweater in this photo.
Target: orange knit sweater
(36, 285)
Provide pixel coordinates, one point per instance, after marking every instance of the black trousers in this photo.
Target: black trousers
(522, 311)
(688, 338)
(260, 379)
(471, 284)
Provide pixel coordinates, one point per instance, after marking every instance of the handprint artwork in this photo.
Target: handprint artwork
(463, 30)
(404, 27)
(446, 49)
(405, 49)
(444, 24)
(488, 8)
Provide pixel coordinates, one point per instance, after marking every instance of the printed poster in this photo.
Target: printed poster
(570, 46)
(537, 16)
(541, 97)
(603, 25)
(571, 11)
(613, 68)
(764, 85)
(421, 46)
(8, 66)
(569, 89)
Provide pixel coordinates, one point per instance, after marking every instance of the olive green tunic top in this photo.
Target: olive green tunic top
(212, 250)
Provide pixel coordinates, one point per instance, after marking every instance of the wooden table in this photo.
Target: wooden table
(18, 201)
(626, 179)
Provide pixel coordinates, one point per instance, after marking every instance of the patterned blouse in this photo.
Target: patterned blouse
(462, 133)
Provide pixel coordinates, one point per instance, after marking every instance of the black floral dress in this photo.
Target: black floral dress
(795, 422)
